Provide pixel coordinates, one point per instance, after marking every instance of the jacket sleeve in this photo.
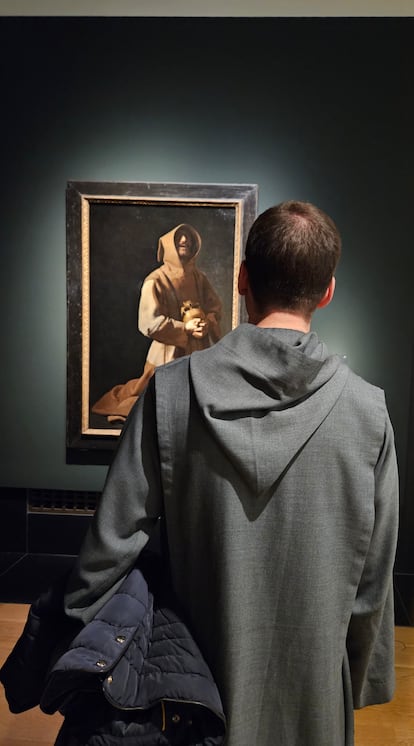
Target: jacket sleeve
(45, 633)
(370, 641)
(125, 518)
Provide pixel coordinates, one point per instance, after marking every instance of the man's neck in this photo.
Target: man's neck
(284, 320)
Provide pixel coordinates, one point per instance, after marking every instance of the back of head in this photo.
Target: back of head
(291, 254)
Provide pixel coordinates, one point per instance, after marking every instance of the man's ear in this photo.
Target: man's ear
(328, 295)
(243, 281)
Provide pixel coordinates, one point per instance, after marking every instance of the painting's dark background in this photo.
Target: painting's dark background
(316, 109)
(123, 251)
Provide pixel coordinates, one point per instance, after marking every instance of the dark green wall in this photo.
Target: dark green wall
(315, 109)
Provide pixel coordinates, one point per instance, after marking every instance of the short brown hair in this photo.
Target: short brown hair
(291, 254)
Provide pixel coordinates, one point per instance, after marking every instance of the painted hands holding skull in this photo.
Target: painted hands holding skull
(197, 328)
(195, 322)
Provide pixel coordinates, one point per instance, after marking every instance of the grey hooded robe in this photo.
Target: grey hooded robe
(275, 468)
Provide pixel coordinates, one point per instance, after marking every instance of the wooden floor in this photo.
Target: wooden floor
(382, 725)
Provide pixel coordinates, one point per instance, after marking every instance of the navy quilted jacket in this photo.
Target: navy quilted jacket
(133, 675)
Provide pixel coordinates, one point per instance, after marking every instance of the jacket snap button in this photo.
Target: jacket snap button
(120, 638)
(176, 718)
(101, 664)
(109, 679)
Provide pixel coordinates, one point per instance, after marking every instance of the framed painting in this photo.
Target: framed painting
(137, 253)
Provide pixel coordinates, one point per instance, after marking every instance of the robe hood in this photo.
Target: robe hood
(257, 384)
(167, 250)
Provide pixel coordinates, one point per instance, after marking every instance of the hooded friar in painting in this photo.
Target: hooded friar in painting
(179, 311)
(175, 283)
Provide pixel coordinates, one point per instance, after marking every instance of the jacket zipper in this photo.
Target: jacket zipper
(161, 702)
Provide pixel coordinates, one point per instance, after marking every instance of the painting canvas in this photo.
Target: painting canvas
(119, 237)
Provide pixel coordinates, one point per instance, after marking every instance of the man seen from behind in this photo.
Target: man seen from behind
(273, 468)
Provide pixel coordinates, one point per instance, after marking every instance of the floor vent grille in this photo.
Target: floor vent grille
(62, 501)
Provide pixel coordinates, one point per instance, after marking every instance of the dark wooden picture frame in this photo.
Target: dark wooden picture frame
(113, 230)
